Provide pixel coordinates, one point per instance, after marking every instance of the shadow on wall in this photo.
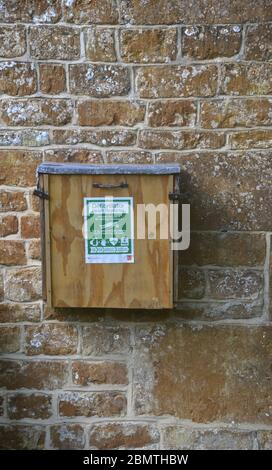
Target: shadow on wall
(227, 191)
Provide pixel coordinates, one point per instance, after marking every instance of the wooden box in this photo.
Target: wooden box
(115, 271)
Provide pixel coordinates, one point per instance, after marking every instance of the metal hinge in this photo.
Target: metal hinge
(175, 196)
(178, 196)
(41, 194)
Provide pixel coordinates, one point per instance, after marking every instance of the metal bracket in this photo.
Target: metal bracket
(175, 196)
(41, 194)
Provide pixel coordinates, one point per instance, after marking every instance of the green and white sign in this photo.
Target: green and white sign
(109, 231)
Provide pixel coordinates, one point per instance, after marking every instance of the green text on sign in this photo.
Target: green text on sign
(109, 231)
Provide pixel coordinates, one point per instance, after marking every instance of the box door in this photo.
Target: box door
(146, 283)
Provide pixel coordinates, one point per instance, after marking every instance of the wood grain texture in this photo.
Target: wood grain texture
(47, 244)
(147, 283)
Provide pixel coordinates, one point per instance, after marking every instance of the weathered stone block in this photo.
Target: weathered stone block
(100, 45)
(99, 80)
(225, 249)
(38, 112)
(99, 340)
(223, 369)
(108, 113)
(211, 42)
(100, 404)
(236, 113)
(12, 41)
(54, 42)
(178, 437)
(34, 202)
(26, 11)
(23, 284)
(12, 201)
(179, 140)
(24, 437)
(176, 81)
(34, 406)
(172, 113)
(91, 11)
(74, 155)
(252, 138)
(67, 436)
(52, 78)
(41, 375)
(192, 283)
(108, 436)
(12, 252)
(246, 79)
(148, 45)
(30, 226)
(197, 12)
(18, 78)
(126, 156)
(13, 313)
(88, 373)
(18, 167)
(8, 225)
(1, 290)
(24, 137)
(51, 339)
(270, 279)
(264, 440)
(258, 42)
(235, 284)
(34, 249)
(212, 310)
(101, 137)
(9, 339)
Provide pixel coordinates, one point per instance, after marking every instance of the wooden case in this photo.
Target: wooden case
(68, 281)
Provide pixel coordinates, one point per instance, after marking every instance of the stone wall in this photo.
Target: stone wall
(97, 81)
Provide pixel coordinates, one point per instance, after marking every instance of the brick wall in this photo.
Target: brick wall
(141, 81)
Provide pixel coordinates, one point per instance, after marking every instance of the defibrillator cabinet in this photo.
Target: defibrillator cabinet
(98, 246)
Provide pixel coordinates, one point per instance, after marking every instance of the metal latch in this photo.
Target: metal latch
(176, 195)
(110, 186)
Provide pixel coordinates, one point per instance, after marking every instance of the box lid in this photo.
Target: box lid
(111, 169)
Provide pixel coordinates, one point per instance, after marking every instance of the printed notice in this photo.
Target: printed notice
(109, 230)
